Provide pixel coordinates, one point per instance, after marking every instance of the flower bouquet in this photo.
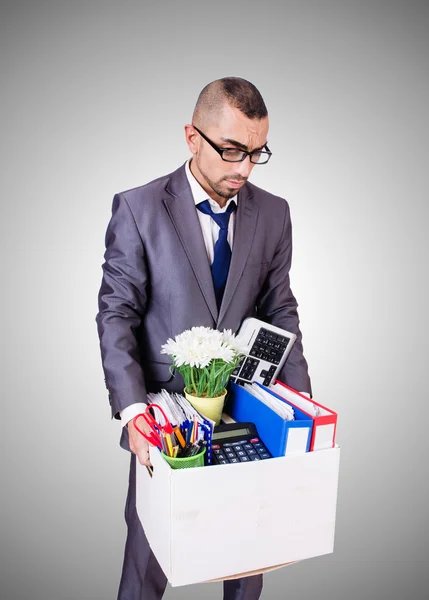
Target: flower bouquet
(205, 358)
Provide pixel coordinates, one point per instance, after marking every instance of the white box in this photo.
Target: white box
(227, 521)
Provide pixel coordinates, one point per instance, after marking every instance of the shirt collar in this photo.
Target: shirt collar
(199, 194)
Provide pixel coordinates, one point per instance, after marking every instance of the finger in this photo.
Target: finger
(137, 442)
(144, 457)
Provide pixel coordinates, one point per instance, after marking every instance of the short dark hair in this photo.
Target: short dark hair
(237, 92)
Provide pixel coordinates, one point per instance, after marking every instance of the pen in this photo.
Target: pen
(189, 436)
(179, 437)
(169, 445)
(186, 451)
(196, 448)
(162, 438)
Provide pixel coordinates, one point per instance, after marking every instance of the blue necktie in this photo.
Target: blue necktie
(222, 250)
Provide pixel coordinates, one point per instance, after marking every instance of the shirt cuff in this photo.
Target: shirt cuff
(131, 411)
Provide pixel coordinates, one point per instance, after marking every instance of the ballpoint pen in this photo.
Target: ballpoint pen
(195, 429)
(196, 448)
(189, 436)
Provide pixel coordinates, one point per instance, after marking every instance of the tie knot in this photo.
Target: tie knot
(221, 219)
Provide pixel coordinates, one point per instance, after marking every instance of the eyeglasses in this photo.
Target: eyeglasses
(257, 157)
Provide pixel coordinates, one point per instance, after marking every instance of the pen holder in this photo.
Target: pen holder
(185, 463)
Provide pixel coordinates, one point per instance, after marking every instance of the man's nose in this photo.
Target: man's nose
(244, 167)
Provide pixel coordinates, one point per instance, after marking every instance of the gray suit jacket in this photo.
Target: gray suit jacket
(157, 282)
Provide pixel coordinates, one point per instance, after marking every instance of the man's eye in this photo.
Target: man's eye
(232, 153)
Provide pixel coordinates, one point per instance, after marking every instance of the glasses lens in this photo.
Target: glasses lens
(232, 155)
(260, 157)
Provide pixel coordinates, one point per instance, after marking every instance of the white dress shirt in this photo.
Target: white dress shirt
(210, 231)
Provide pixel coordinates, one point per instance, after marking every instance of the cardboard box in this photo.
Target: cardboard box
(226, 521)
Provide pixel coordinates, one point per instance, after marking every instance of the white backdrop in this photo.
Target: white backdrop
(95, 96)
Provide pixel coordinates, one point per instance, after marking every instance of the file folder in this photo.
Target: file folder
(282, 438)
(324, 425)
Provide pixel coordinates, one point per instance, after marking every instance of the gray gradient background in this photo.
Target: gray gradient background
(94, 99)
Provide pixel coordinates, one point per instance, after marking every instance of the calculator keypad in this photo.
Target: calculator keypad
(268, 346)
(240, 451)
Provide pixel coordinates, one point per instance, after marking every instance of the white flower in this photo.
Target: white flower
(193, 353)
(200, 345)
(226, 353)
(171, 347)
(235, 342)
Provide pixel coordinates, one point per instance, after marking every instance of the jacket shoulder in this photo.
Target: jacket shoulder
(149, 190)
(267, 200)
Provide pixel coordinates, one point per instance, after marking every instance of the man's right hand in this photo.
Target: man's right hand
(138, 444)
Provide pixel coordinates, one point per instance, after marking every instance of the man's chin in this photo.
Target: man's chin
(224, 193)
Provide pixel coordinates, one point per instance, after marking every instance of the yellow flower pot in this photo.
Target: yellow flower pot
(211, 408)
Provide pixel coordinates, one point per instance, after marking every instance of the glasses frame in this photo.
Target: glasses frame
(245, 152)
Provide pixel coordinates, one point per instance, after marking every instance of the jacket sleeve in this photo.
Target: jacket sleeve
(277, 305)
(121, 303)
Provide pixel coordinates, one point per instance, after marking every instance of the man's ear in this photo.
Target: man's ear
(191, 137)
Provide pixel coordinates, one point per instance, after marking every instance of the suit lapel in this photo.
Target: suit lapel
(244, 232)
(181, 208)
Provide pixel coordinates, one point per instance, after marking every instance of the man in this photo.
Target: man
(164, 273)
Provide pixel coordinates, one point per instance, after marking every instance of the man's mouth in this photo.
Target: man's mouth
(234, 183)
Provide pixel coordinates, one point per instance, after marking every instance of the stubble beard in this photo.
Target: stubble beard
(222, 192)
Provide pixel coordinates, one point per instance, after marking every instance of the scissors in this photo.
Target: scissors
(155, 436)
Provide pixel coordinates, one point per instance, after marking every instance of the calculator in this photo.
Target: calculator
(237, 442)
(269, 347)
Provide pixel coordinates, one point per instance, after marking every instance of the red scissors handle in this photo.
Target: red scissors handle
(155, 435)
(167, 427)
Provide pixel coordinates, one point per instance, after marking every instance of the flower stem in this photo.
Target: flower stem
(210, 390)
(194, 387)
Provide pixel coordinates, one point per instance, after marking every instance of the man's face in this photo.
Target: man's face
(217, 175)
